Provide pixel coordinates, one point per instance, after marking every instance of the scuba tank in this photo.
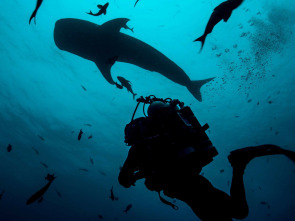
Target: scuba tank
(171, 122)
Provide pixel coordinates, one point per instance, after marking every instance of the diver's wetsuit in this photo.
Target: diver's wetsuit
(163, 172)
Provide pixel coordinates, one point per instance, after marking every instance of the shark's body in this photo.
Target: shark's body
(99, 43)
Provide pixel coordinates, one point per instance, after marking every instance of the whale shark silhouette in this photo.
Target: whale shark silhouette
(100, 43)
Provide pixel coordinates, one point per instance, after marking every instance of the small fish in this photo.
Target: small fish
(128, 208)
(84, 88)
(263, 203)
(90, 137)
(104, 174)
(89, 125)
(80, 134)
(1, 194)
(39, 2)
(83, 169)
(136, 3)
(102, 10)
(91, 161)
(100, 216)
(222, 170)
(127, 84)
(58, 193)
(35, 150)
(9, 147)
(44, 164)
(41, 138)
(113, 197)
(222, 12)
(39, 194)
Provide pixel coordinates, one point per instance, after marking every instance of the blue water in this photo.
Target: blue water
(43, 106)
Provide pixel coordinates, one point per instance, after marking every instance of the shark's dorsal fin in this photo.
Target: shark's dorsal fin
(115, 25)
(105, 69)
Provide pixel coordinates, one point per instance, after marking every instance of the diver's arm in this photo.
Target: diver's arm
(127, 174)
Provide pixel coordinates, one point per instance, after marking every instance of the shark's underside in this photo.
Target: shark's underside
(100, 43)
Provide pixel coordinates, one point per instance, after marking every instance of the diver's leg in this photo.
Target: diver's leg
(207, 202)
(239, 160)
(239, 204)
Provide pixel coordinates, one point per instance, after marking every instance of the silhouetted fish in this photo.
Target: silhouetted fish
(136, 3)
(39, 2)
(84, 88)
(83, 169)
(103, 10)
(127, 84)
(1, 194)
(91, 161)
(39, 194)
(113, 197)
(89, 125)
(41, 138)
(222, 11)
(44, 164)
(128, 208)
(90, 137)
(58, 193)
(35, 150)
(80, 134)
(102, 173)
(9, 147)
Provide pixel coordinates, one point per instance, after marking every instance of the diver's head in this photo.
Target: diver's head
(159, 109)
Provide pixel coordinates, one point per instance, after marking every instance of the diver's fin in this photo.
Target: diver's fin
(202, 40)
(241, 157)
(99, 6)
(195, 88)
(290, 154)
(105, 70)
(115, 25)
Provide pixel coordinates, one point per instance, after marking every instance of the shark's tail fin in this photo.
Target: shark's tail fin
(202, 40)
(195, 88)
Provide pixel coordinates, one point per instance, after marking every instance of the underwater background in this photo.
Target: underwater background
(48, 95)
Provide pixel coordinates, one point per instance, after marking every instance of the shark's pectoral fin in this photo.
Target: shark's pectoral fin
(99, 6)
(115, 25)
(105, 69)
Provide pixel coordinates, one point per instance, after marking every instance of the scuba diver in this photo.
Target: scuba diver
(169, 148)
